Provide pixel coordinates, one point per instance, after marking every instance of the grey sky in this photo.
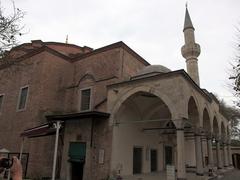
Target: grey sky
(153, 28)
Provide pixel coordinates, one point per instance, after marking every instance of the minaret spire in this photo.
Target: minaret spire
(191, 50)
(188, 21)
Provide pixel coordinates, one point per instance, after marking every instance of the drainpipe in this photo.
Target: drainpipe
(57, 126)
(21, 150)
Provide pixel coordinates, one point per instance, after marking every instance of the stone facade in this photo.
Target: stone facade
(132, 106)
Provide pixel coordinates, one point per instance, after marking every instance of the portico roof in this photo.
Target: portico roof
(77, 116)
(164, 75)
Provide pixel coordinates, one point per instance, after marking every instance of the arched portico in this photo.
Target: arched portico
(194, 145)
(125, 94)
(144, 135)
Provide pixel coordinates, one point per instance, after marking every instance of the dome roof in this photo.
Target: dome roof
(153, 69)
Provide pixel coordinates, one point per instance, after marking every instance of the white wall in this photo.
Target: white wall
(125, 137)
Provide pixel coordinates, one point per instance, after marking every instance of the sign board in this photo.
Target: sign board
(171, 172)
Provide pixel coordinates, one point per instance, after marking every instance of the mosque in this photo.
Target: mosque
(80, 113)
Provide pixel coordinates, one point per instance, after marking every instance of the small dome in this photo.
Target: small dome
(153, 69)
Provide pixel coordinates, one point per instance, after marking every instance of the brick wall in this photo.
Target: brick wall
(54, 85)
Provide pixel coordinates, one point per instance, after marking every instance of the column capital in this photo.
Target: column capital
(217, 137)
(179, 123)
(229, 140)
(199, 131)
(209, 136)
(224, 140)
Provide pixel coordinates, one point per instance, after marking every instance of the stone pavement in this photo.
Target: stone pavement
(162, 176)
(233, 175)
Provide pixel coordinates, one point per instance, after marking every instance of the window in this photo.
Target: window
(22, 98)
(85, 99)
(1, 102)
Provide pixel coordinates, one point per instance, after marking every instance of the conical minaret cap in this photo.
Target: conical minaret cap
(187, 21)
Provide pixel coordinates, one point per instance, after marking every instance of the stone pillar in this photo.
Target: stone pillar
(210, 152)
(198, 151)
(218, 152)
(225, 155)
(181, 169)
(229, 152)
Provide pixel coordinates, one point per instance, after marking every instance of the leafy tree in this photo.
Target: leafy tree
(10, 28)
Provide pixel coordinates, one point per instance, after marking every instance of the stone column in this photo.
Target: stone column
(210, 152)
(229, 152)
(225, 155)
(218, 152)
(198, 151)
(181, 169)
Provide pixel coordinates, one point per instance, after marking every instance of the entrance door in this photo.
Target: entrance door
(77, 170)
(153, 155)
(168, 155)
(137, 160)
(77, 153)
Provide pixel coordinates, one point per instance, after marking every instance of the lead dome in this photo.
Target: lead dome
(153, 69)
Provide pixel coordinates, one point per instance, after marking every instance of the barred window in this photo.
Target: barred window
(85, 99)
(22, 98)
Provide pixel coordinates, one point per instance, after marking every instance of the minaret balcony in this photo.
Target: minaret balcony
(191, 50)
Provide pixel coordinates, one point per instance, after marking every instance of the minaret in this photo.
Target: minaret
(191, 50)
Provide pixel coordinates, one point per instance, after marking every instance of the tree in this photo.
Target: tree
(235, 73)
(233, 115)
(10, 28)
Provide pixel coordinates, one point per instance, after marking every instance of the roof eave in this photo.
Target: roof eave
(172, 73)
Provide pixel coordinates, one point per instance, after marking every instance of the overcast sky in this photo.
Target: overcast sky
(153, 28)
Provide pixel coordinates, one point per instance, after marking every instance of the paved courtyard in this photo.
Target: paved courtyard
(233, 175)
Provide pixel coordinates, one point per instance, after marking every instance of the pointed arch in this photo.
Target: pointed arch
(87, 76)
(126, 94)
(206, 121)
(193, 112)
(215, 126)
(223, 129)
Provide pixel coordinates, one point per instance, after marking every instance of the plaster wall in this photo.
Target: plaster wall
(204, 152)
(126, 137)
(128, 133)
(190, 152)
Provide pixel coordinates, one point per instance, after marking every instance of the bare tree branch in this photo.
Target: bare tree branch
(10, 28)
